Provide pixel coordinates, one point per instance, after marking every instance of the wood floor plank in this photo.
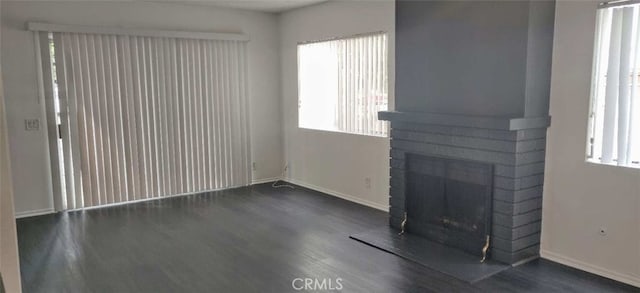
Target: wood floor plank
(254, 239)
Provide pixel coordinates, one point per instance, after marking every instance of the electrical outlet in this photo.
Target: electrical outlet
(367, 183)
(31, 124)
(253, 166)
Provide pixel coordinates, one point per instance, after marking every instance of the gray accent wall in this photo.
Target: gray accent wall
(539, 51)
(474, 57)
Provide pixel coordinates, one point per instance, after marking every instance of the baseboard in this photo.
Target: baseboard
(265, 180)
(34, 213)
(348, 197)
(620, 277)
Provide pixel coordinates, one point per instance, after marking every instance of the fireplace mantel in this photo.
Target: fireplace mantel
(457, 120)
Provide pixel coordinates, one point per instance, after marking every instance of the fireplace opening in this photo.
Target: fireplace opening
(449, 201)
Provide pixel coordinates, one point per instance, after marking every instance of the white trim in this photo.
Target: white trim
(617, 3)
(620, 277)
(344, 37)
(34, 213)
(265, 180)
(63, 28)
(344, 196)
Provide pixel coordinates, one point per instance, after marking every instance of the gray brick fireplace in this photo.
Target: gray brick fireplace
(515, 149)
(472, 84)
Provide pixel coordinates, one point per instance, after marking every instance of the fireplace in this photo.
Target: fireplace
(449, 201)
(468, 133)
(466, 189)
(450, 207)
(507, 152)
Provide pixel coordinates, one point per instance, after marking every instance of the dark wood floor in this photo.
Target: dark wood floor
(255, 239)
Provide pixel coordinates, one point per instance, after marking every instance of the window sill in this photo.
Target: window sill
(635, 167)
(328, 131)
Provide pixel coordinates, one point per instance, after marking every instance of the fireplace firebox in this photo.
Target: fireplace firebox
(449, 201)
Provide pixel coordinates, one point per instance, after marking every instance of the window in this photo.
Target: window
(342, 84)
(614, 122)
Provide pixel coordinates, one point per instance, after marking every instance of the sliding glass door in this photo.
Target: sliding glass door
(144, 117)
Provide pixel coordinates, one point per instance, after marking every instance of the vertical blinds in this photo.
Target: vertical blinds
(342, 84)
(362, 84)
(146, 117)
(615, 109)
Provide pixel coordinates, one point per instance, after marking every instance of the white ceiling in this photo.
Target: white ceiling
(273, 6)
(258, 5)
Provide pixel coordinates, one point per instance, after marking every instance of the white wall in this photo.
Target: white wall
(28, 148)
(580, 198)
(336, 163)
(9, 262)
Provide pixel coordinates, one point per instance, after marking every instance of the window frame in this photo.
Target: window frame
(298, 81)
(594, 95)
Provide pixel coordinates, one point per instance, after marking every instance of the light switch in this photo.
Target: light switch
(31, 124)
